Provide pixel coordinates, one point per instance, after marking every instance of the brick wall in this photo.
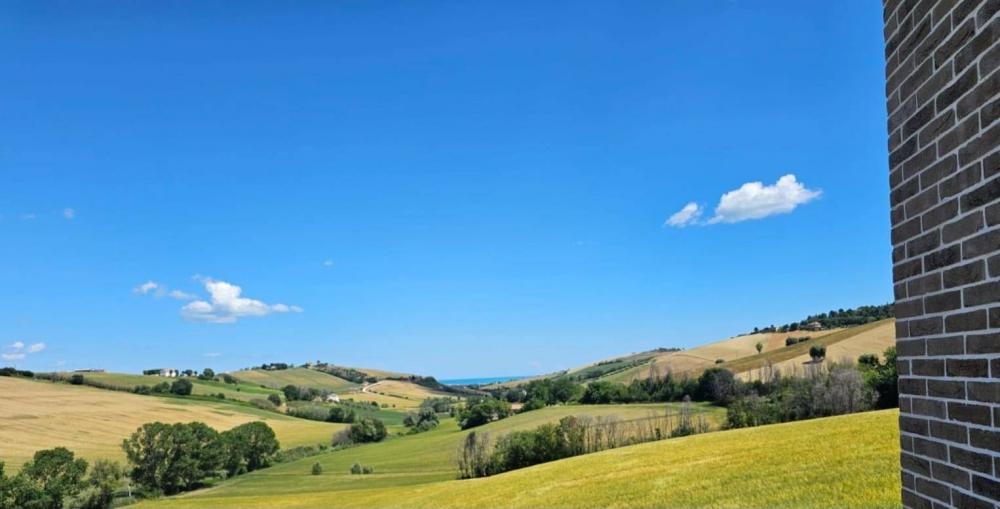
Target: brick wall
(943, 100)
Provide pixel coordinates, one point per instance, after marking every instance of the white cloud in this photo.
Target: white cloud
(69, 213)
(179, 295)
(17, 351)
(146, 287)
(685, 216)
(754, 200)
(212, 354)
(228, 305)
(328, 263)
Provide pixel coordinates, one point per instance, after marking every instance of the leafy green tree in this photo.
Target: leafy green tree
(173, 457)
(483, 411)
(250, 446)
(57, 474)
(759, 346)
(881, 377)
(207, 374)
(76, 379)
(274, 399)
(317, 469)
(292, 393)
(367, 429)
(182, 387)
(104, 479)
(817, 353)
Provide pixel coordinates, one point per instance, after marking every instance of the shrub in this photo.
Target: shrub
(181, 387)
(317, 469)
(482, 412)
(248, 447)
(263, 404)
(425, 419)
(274, 399)
(76, 379)
(359, 469)
(367, 429)
(817, 353)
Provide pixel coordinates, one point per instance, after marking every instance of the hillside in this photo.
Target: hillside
(127, 382)
(302, 377)
(770, 466)
(93, 422)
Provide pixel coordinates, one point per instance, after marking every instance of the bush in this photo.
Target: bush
(263, 404)
(317, 469)
(818, 353)
(359, 469)
(341, 414)
(248, 447)
(274, 399)
(367, 429)
(425, 419)
(76, 379)
(182, 387)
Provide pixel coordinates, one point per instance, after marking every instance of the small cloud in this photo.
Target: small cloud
(228, 305)
(17, 351)
(212, 355)
(754, 200)
(146, 287)
(179, 295)
(68, 213)
(30, 216)
(685, 216)
(328, 263)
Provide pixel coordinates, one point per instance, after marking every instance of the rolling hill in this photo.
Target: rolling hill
(127, 382)
(769, 466)
(302, 377)
(93, 422)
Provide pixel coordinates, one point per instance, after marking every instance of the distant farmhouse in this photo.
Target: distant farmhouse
(165, 372)
(332, 398)
(813, 326)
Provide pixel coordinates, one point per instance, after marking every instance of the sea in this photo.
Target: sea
(481, 381)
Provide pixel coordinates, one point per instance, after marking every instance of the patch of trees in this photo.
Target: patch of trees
(55, 478)
(540, 393)
(479, 456)
(482, 411)
(350, 374)
(359, 469)
(833, 389)
(9, 371)
(296, 393)
(422, 420)
(439, 405)
(653, 389)
(363, 430)
(836, 318)
(274, 366)
(790, 340)
(171, 458)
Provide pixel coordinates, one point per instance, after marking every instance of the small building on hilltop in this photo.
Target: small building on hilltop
(332, 398)
(166, 372)
(813, 326)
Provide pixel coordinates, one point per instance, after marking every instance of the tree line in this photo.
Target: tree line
(836, 318)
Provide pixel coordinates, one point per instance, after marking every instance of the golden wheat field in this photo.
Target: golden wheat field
(93, 422)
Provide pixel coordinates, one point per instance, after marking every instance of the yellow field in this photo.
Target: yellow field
(395, 393)
(302, 377)
(697, 359)
(873, 340)
(93, 422)
(840, 462)
(200, 387)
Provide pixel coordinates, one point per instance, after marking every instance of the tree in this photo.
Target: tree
(718, 385)
(818, 353)
(759, 346)
(274, 399)
(173, 457)
(181, 387)
(57, 474)
(105, 477)
(484, 411)
(76, 379)
(207, 374)
(341, 414)
(249, 447)
(317, 469)
(292, 393)
(367, 429)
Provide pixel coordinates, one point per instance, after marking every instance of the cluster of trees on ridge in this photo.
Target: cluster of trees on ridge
(836, 318)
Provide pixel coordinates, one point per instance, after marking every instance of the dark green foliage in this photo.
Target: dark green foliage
(439, 405)
(881, 377)
(104, 479)
(317, 469)
(182, 387)
(789, 341)
(717, 385)
(248, 447)
(817, 352)
(48, 480)
(207, 374)
(274, 399)
(366, 429)
(482, 411)
(341, 414)
(359, 469)
(274, 366)
(229, 379)
(837, 318)
(76, 379)
(173, 457)
(9, 371)
(423, 420)
(291, 392)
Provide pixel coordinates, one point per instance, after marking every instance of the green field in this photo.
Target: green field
(302, 377)
(848, 461)
(125, 381)
(400, 461)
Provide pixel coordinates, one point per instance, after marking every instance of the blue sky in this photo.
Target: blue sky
(449, 188)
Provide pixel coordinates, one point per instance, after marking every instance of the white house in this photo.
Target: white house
(333, 398)
(169, 372)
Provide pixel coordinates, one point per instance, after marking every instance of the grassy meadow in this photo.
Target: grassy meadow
(93, 422)
(302, 377)
(848, 461)
(126, 381)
